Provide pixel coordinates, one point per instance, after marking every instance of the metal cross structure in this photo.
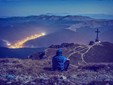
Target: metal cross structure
(97, 36)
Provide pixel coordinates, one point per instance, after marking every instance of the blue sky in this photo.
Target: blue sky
(58, 7)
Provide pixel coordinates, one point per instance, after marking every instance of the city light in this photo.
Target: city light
(19, 44)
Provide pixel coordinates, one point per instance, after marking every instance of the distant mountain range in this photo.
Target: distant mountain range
(59, 29)
(99, 16)
(21, 27)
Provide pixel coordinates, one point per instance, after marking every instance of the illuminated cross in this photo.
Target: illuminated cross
(97, 31)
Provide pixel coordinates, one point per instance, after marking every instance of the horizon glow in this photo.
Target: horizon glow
(56, 7)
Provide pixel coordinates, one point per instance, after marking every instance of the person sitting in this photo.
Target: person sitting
(60, 62)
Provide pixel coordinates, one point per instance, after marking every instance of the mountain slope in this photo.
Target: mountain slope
(59, 37)
(100, 53)
(78, 54)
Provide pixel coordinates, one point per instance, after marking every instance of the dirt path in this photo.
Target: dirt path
(82, 54)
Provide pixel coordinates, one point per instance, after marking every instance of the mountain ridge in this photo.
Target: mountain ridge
(26, 26)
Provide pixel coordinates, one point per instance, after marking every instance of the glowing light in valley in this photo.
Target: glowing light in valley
(43, 33)
(20, 43)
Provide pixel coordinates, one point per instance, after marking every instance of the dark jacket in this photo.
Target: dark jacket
(58, 60)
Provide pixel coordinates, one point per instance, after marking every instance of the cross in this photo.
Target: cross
(97, 31)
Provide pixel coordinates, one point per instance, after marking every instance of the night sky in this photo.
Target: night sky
(57, 7)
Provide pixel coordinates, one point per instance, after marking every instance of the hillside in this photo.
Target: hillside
(18, 53)
(58, 37)
(100, 53)
(78, 54)
(37, 69)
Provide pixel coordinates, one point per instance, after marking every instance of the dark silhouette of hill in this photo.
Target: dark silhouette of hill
(100, 53)
(18, 53)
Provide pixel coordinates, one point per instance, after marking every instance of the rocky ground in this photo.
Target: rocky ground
(38, 72)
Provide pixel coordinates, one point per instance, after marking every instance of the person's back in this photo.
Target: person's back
(58, 61)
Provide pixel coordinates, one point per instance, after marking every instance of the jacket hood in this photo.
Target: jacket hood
(59, 52)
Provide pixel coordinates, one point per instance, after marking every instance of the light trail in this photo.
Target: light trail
(19, 44)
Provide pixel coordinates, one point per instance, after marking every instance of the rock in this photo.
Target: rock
(10, 77)
(63, 77)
